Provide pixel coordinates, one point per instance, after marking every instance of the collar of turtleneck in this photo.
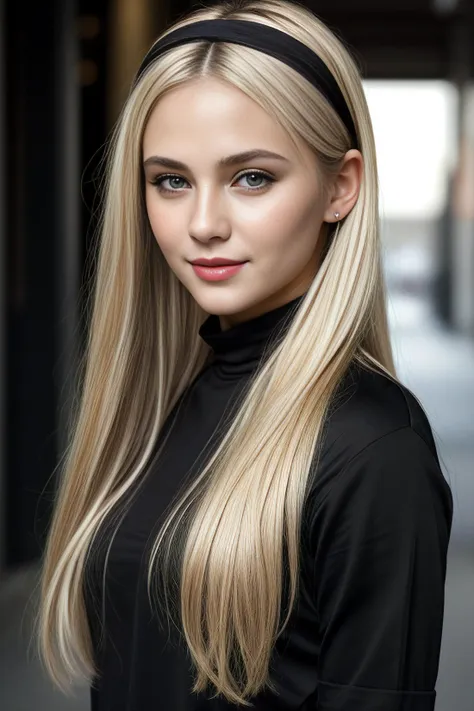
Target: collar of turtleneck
(238, 349)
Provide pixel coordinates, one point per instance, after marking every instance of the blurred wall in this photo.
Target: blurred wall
(131, 31)
(40, 166)
(2, 289)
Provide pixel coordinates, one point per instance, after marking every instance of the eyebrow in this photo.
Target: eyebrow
(223, 162)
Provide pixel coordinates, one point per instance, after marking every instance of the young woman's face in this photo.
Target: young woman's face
(265, 211)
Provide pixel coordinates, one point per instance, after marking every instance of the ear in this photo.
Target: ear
(346, 186)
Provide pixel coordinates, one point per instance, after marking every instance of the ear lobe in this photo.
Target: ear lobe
(346, 187)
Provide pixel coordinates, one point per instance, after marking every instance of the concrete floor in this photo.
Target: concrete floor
(439, 368)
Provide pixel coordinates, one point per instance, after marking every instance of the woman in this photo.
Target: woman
(252, 510)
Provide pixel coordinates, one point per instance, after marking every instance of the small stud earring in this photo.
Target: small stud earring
(336, 215)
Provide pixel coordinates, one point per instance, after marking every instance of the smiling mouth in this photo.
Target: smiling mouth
(217, 272)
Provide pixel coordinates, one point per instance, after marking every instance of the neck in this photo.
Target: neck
(269, 304)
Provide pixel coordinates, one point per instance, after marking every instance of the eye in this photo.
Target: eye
(259, 175)
(160, 179)
(176, 181)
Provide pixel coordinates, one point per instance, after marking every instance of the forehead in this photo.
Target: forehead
(213, 117)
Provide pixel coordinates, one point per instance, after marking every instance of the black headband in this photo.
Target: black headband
(267, 39)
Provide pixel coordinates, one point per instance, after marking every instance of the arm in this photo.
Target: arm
(380, 542)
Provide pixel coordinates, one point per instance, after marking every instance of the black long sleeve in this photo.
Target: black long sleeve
(380, 542)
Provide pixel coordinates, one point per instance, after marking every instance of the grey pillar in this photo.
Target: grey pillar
(463, 220)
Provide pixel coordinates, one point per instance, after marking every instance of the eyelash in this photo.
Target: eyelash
(160, 178)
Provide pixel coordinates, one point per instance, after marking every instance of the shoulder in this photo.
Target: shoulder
(369, 405)
(375, 426)
(378, 476)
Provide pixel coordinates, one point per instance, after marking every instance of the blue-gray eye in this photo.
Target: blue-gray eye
(173, 179)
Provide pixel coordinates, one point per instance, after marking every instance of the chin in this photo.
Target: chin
(223, 304)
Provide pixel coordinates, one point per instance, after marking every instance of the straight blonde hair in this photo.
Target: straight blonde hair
(223, 542)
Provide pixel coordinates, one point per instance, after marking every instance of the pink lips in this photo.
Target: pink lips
(217, 273)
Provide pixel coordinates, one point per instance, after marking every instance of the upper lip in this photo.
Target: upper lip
(216, 261)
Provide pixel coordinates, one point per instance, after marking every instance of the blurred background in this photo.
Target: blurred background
(65, 69)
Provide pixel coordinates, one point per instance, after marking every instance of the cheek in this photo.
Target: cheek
(161, 223)
(293, 226)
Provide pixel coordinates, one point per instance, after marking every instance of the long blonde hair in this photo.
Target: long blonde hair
(244, 511)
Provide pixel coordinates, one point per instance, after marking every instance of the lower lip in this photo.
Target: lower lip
(217, 273)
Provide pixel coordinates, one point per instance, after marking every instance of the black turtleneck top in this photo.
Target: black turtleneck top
(365, 633)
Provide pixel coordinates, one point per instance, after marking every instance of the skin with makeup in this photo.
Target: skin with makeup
(218, 186)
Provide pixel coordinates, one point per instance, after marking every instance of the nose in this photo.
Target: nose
(209, 218)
